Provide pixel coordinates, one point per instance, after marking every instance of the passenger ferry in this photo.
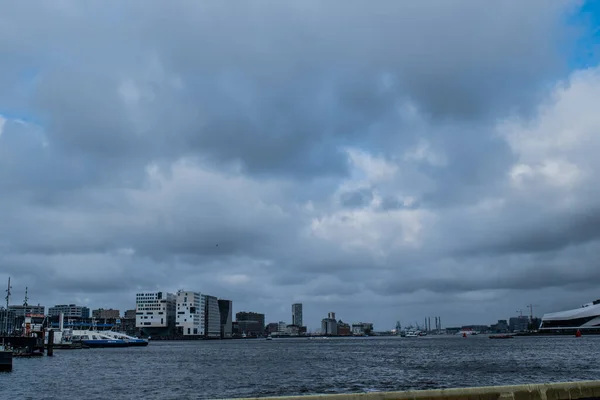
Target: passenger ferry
(130, 340)
(96, 339)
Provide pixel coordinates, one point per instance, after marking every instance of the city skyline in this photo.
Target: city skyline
(389, 160)
(528, 311)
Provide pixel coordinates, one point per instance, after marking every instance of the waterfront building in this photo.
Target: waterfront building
(250, 323)
(476, 328)
(155, 312)
(22, 310)
(329, 325)
(190, 319)
(101, 313)
(362, 328)
(281, 327)
(272, 328)
(518, 324)
(226, 311)
(500, 327)
(343, 329)
(292, 330)
(129, 314)
(586, 317)
(297, 314)
(69, 311)
(127, 325)
(212, 317)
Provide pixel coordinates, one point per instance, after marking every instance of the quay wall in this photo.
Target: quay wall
(582, 390)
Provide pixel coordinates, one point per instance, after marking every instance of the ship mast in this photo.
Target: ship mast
(7, 300)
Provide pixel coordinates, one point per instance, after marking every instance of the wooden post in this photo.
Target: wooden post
(50, 343)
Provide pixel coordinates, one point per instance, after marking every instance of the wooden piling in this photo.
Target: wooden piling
(50, 350)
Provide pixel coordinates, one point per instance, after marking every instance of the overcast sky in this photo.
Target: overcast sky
(385, 160)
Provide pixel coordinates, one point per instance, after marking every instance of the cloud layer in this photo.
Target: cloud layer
(385, 161)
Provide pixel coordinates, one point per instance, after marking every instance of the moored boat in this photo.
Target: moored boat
(95, 339)
(130, 340)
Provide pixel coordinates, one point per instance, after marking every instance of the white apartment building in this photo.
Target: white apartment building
(190, 313)
(155, 310)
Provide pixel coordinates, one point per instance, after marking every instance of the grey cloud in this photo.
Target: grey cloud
(357, 198)
(278, 89)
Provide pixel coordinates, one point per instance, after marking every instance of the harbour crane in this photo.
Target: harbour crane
(521, 313)
(530, 306)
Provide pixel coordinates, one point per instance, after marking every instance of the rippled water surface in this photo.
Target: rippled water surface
(244, 368)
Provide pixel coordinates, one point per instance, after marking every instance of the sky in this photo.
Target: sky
(387, 161)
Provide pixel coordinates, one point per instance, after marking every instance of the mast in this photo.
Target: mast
(7, 300)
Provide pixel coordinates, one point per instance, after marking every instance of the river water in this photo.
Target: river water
(257, 367)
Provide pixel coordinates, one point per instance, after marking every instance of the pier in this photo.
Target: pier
(582, 390)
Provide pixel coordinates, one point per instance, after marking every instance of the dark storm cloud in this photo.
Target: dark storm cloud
(202, 145)
(278, 89)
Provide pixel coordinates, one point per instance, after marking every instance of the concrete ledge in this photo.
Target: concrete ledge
(581, 390)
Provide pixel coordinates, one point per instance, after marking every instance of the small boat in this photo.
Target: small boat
(501, 336)
(412, 334)
(269, 337)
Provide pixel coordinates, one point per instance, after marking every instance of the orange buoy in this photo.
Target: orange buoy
(464, 334)
(578, 333)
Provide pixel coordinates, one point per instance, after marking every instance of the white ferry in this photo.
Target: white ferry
(130, 340)
(96, 339)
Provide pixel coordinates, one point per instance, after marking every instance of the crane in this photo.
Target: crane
(520, 312)
(530, 306)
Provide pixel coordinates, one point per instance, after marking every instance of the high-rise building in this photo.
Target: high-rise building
(190, 313)
(21, 311)
(106, 314)
(225, 310)
(213, 317)
(297, 314)
(69, 311)
(250, 323)
(155, 310)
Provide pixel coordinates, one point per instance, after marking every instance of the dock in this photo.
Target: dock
(583, 390)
